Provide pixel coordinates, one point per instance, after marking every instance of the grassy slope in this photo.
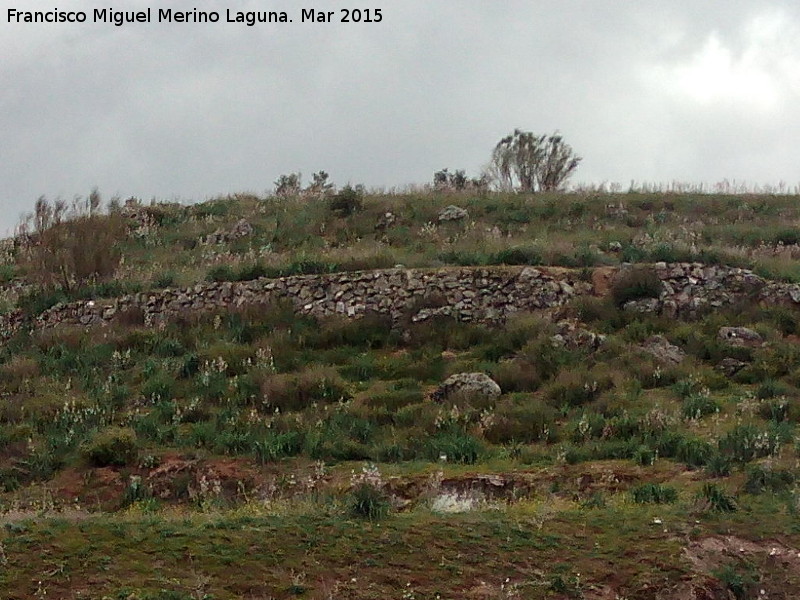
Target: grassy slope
(579, 427)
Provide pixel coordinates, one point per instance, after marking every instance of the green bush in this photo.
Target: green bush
(762, 478)
(694, 452)
(718, 465)
(779, 410)
(113, 446)
(164, 280)
(393, 400)
(747, 442)
(742, 583)
(160, 386)
(645, 456)
(456, 446)
(653, 493)
(221, 273)
(347, 201)
(275, 446)
(772, 389)
(369, 502)
(635, 284)
(716, 499)
(517, 256)
(699, 405)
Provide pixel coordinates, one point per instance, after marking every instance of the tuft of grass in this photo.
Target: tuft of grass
(654, 493)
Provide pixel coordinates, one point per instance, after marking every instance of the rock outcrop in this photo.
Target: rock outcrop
(453, 213)
(467, 385)
(663, 351)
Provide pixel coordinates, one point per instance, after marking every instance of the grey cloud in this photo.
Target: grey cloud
(190, 111)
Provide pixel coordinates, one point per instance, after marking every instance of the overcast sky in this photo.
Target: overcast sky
(648, 91)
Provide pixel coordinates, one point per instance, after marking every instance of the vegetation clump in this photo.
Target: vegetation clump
(636, 284)
(111, 447)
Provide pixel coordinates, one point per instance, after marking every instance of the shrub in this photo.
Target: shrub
(296, 391)
(369, 502)
(373, 330)
(699, 405)
(159, 387)
(718, 465)
(596, 500)
(778, 411)
(113, 446)
(392, 400)
(635, 284)
(136, 491)
(716, 499)
(653, 493)
(645, 456)
(532, 162)
(577, 387)
(288, 185)
(600, 312)
(742, 585)
(694, 452)
(221, 273)
(517, 375)
(771, 389)
(37, 301)
(457, 446)
(763, 478)
(252, 271)
(745, 443)
(275, 446)
(164, 280)
(519, 255)
(524, 423)
(347, 201)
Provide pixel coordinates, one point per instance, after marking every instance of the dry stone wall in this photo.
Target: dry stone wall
(470, 294)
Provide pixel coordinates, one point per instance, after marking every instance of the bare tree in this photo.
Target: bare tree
(532, 163)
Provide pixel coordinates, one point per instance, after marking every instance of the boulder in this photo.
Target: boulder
(241, 229)
(575, 337)
(730, 366)
(740, 336)
(453, 213)
(467, 384)
(664, 352)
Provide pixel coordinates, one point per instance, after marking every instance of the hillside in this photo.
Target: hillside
(251, 404)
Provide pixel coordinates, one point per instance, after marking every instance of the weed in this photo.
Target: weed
(747, 442)
(740, 580)
(654, 493)
(714, 498)
(764, 478)
(697, 406)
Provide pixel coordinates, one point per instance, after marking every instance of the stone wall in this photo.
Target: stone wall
(468, 293)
